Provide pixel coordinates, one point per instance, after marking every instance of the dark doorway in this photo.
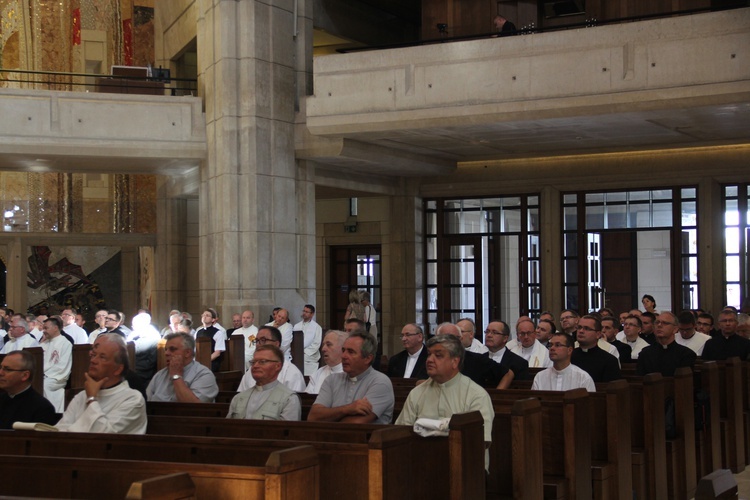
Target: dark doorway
(619, 277)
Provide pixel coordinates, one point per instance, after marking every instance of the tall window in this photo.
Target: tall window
(482, 259)
(736, 237)
(620, 245)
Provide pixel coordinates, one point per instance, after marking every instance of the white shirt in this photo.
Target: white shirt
(497, 357)
(58, 360)
(636, 347)
(94, 334)
(37, 334)
(570, 377)
(119, 410)
(411, 362)
(286, 338)
(79, 334)
(322, 373)
(19, 343)
(313, 335)
(477, 347)
(537, 355)
(289, 375)
(249, 333)
(695, 343)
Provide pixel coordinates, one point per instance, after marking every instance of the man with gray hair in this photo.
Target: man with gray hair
(665, 355)
(360, 394)
(332, 344)
(479, 368)
(18, 336)
(107, 403)
(410, 363)
(183, 379)
(447, 391)
(19, 402)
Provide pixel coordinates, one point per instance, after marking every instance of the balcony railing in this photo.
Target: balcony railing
(91, 82)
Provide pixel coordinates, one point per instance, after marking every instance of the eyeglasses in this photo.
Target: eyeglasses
(585, 328)
(263, 362)
(566, 317)
(6, 369)
(495, 332)
(406, 335)
(262, 340)
(110, 319)
(524, 334)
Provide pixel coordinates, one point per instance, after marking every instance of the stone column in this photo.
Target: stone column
(170, 276)
(254, 245)
(16, 289)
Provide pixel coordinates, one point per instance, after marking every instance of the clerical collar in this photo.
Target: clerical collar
(11, 396)
(361, 376)
(268, 386)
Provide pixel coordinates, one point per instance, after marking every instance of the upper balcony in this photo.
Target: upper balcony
(661, 83)
(82, 131)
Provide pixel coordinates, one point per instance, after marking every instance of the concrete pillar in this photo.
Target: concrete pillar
(551, 250)
(252, 240)
(16, 290)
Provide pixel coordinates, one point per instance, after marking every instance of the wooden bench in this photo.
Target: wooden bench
(177, 409)
(433, 466)
(681, 455)
(177, 486)
(566, 461)
(287, 474)
(708, 437)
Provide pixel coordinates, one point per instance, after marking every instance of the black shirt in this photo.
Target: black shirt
(482, 370)
(601, 365)
(665, 360)
(26, 406)
(721, 347)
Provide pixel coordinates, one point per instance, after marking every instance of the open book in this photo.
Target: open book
(34, 426)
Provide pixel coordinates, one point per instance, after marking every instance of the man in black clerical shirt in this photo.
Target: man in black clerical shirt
(20, 402)
(479, 368)
(666, 355)
(728, 344)
(589, 357)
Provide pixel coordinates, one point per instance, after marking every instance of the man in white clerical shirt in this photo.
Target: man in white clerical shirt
(77, 333)
(332, 344)
(281, 322)
(58, 360)
(528, 347)
(313, 335)
(468, 338)
(687, 335)
(18, 336)
(290, 375)
(107, 403)
(250, 332)
(269, 399)
(562, 375)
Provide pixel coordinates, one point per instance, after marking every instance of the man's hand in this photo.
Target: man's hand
(175, 366)
(360, 407)
(92, 387)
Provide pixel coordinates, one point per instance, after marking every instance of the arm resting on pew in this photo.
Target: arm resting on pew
(357, 412)
(506, 380)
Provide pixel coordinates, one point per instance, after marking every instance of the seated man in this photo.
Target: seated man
(562, 375)
(727, 343)
(289, 376)
(496, 339)
(58, 360)
(20, 402)
(249, 331)
(409, 363)
(666, 355)
(687, 335)
(268, 399)
(478, 367)
(468, 336)
(601, 365)
(528, 347)
(18, 335)
(360, 394)
(183, 379)
(632, 336)
(333, 342)
(107, 403)
(447, 391)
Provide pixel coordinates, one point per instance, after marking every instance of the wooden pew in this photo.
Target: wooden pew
(229, 381)
(746, 407)
(566, 461)
(177, 486)
(681, 465)
(708, 438)
(732, 423)
(516, 451)
(177, 409)
(297, 349)
(649, 456)
(203, 351)
(455, 463)
(611, 443)
(287, 474)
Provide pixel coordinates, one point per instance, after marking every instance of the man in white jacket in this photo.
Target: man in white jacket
(313, 335)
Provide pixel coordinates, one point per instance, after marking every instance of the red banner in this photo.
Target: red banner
(77, 27)
(127, 42)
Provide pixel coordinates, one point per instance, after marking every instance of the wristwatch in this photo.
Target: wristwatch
(176, 377)
(90, 400)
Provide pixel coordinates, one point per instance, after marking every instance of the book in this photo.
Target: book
(34, 426)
